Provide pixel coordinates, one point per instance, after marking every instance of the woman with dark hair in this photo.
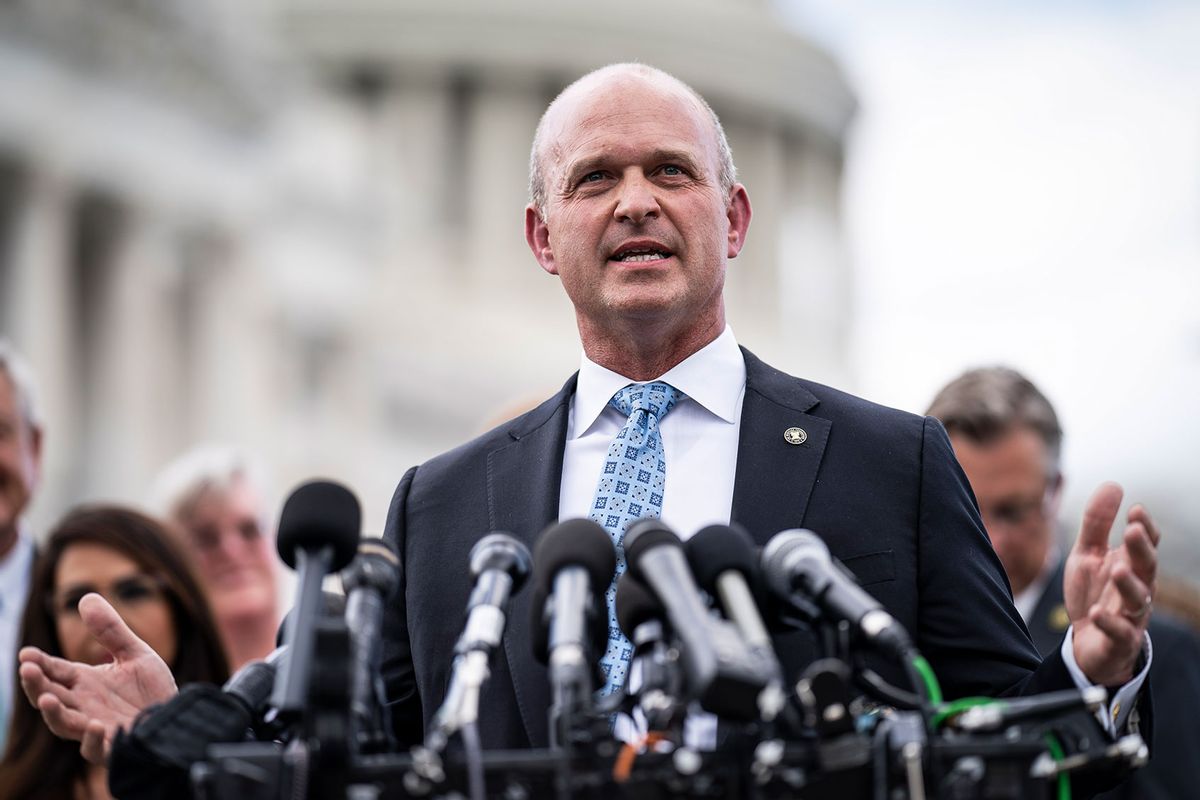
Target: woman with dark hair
(133, 561)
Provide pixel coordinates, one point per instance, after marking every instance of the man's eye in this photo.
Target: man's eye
(592, 177)
(672, 170)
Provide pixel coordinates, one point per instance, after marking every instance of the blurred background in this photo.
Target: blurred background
(296, 225)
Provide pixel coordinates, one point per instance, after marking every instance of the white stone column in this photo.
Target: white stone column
(134, 422)
(816, 273)
(40, 310)
(412, 142)
(754, 278)
(502, 120)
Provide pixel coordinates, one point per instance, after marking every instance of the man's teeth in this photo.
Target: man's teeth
(653, 255)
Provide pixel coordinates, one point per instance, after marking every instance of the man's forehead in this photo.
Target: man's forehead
(622, 94)
(618, 101)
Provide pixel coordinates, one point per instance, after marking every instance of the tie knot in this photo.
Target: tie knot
(656, 399)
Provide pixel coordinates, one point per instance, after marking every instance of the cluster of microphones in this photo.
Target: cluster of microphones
(683, 650)
(311, 720)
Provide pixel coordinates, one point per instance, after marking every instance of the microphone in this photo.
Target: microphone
(573, 561)
(499, 564)
(318, 534)
(721, 671)
(798, 562)
(723, 560)
(655, 660)
(253, 683)
(370, 581)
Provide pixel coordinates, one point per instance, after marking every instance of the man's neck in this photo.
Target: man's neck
(643, 350)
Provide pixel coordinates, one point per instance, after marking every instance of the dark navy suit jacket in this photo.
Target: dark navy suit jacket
(880, 486)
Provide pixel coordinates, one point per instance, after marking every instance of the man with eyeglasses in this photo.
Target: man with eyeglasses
(1008, 440)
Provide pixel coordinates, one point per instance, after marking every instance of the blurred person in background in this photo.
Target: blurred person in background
(215, 496)
(132, 561)
(1008, 440)
(20, 469)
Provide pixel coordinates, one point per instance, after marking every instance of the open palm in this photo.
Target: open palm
(90, 703)
(1107, 590)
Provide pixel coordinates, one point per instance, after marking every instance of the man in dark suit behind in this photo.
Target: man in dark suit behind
(1008, 439)
(636, 208)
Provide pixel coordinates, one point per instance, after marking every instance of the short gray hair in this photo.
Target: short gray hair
(727, 175)
(20, 376)
(986, 403)
(201, 470)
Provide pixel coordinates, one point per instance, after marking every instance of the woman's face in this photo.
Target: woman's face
(139, 598)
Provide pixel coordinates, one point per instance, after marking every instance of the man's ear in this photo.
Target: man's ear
(537, 236)
(738, 213)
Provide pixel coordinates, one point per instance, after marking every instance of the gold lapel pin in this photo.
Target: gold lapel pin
(795, 436)
(1059, 620)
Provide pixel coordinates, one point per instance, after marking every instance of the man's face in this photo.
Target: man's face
(1018, 498)
(20, 459)
(235, 559)
(636, 225)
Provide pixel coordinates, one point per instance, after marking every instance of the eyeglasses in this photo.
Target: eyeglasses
(1016, 513)
(127, 594)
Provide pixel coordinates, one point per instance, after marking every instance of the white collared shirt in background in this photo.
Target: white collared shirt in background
(15, 574)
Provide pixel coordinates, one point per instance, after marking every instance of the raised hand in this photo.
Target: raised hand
(1109, 590)
(90, 703)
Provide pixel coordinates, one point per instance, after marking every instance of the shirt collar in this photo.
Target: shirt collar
(1027, 601)
(713, 377)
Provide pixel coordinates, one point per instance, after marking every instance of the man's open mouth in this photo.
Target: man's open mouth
(636, 254)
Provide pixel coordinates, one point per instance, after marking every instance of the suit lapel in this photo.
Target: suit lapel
(775, 477)
(523, 478)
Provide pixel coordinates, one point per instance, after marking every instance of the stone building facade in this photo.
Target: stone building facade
(299, 227)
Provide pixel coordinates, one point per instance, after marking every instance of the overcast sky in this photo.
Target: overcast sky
(1023, 186)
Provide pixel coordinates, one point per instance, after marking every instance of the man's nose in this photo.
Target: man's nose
(636, 199)
(229, 545)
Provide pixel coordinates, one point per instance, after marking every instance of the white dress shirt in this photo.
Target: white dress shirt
(699, 435)
(15, 570)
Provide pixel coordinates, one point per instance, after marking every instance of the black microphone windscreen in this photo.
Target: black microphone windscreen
(720, 548)
(575, 543)
(635, 604)
(318, 514)
(643, 535)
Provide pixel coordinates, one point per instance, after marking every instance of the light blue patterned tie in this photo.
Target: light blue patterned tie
(630, 488)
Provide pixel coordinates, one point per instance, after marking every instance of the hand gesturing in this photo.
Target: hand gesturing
(1108, 591)
(89, 703)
